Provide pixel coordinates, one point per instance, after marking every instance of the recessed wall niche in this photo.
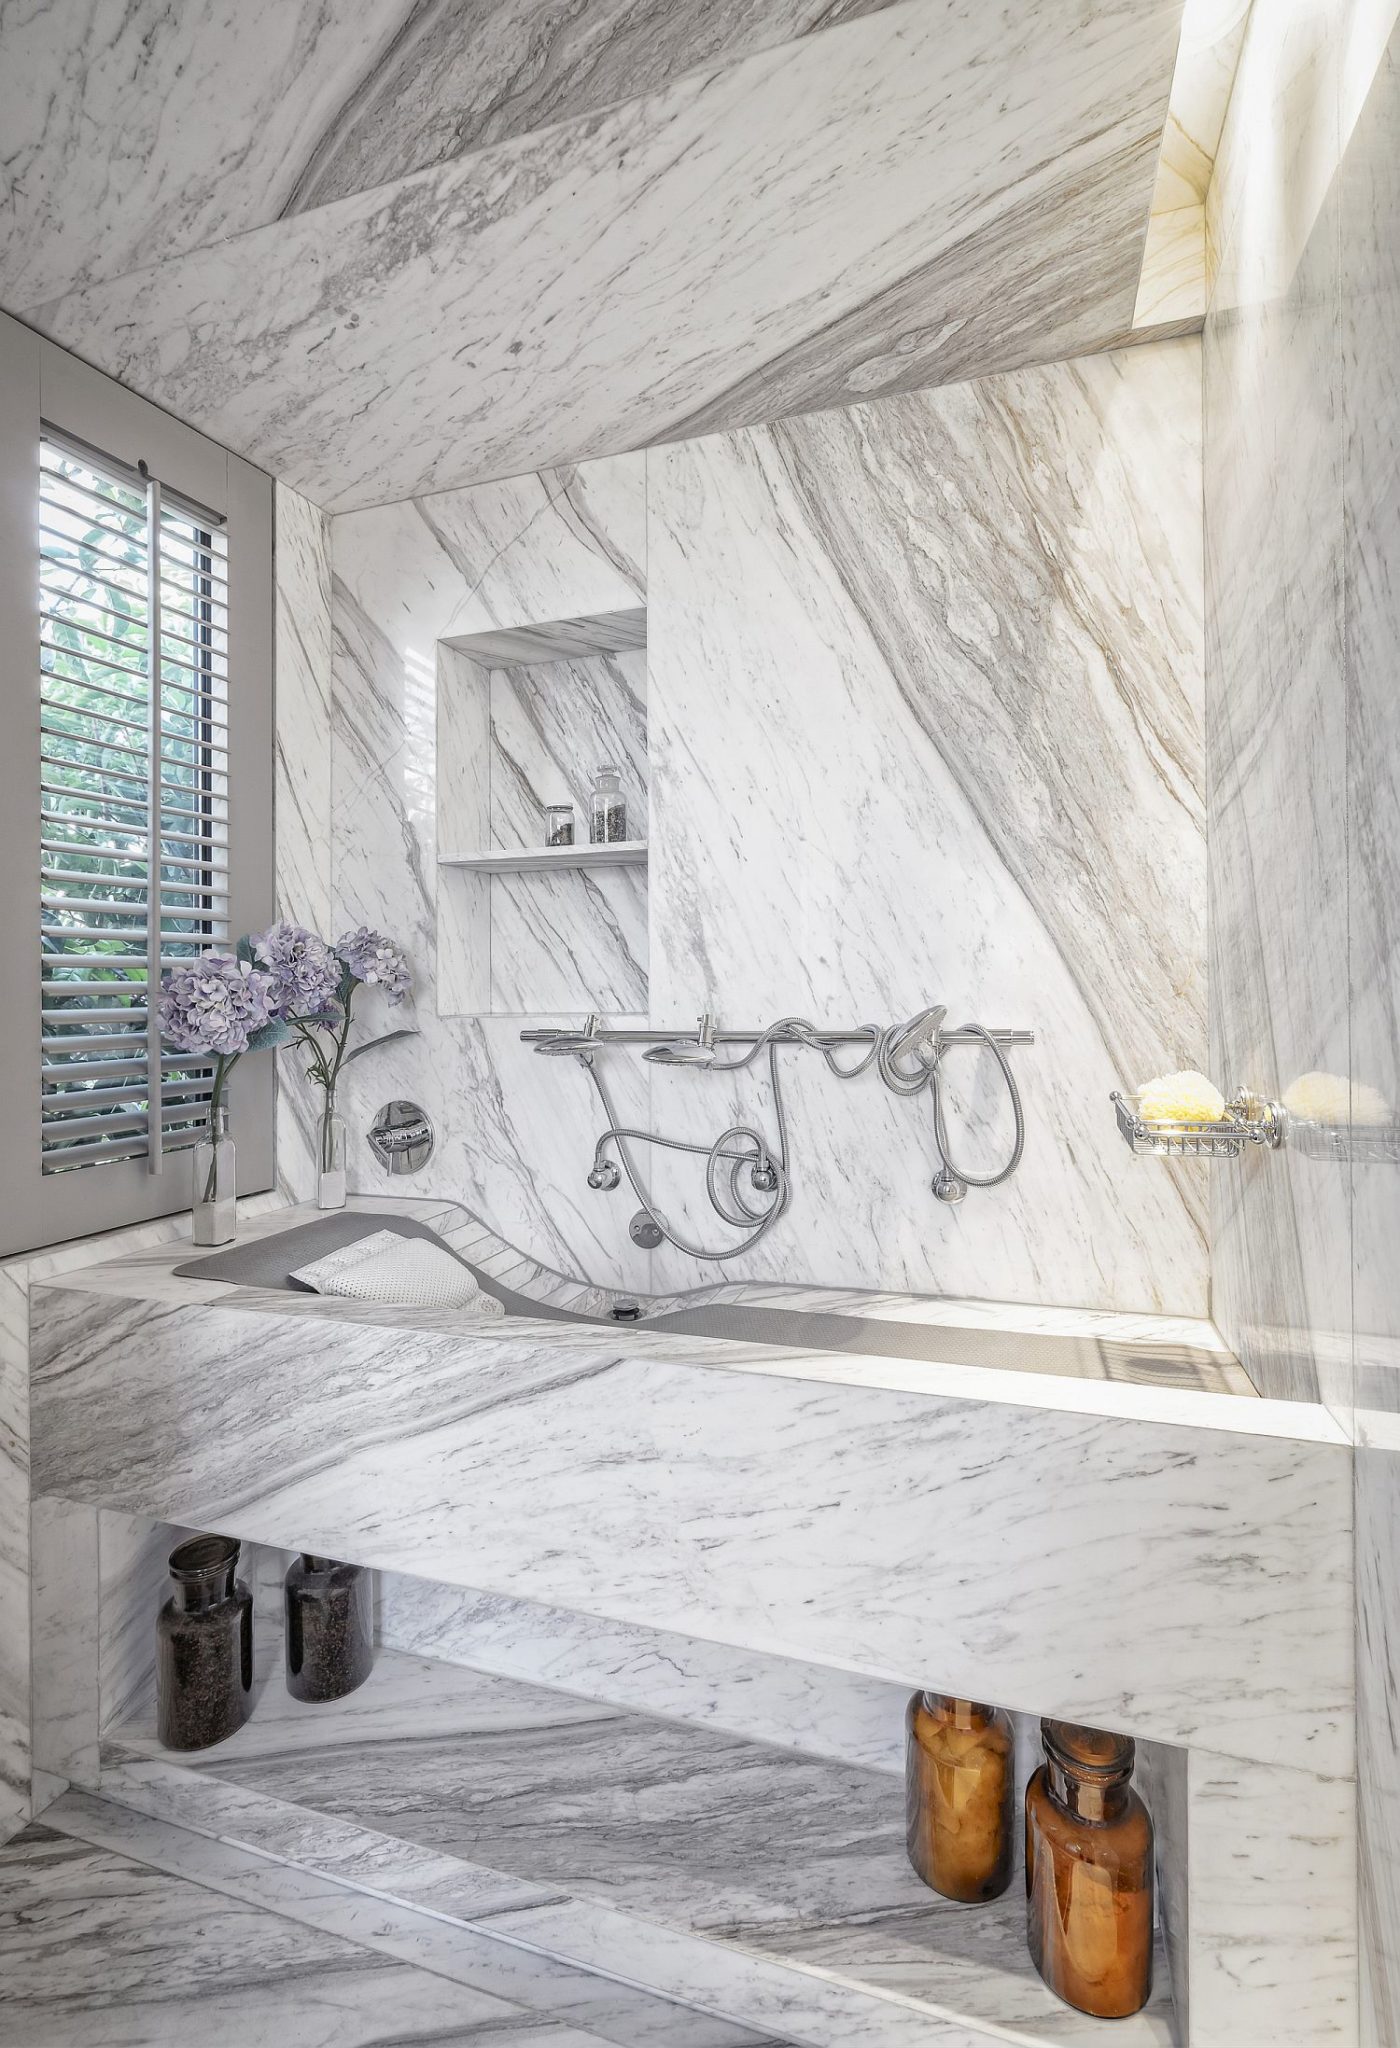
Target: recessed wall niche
(525, 717)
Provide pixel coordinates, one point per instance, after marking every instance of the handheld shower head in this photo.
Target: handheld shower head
(580, 1043)
(687, 1052)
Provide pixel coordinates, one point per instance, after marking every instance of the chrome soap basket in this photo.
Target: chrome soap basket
(1247, 1120)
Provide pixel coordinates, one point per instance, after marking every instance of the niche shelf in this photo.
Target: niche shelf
(526, 713)
(537, 860)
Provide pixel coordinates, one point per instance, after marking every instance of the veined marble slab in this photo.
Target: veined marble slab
(828, 671)
(160, 1906)
(302, 794)
(561, 640)
(1196, 1592)
(940, 741)
(820, 1711)
(409, 721)
(1370, 421)
(27, 1558)
(736, 1856)
(243, 116)
(1274, 536)
(738, 204)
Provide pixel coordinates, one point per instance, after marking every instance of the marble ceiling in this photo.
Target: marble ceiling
(384, 248)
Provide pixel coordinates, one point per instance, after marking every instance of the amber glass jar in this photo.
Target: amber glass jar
(204, 1646)
(960, 1796)
(330, 1627)
(1089, 1872)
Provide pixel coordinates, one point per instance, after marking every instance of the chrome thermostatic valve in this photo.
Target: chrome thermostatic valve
(401, 1137)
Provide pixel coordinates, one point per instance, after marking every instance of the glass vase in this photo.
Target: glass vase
(215, 1195)
(330, 1158)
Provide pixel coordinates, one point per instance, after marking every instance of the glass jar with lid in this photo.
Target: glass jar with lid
(1089, 1872)
(960, 1796)
(607, 808)
(204, 1646)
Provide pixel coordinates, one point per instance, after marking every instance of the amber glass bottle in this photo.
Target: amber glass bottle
(960, 1796)
(1089, 1872)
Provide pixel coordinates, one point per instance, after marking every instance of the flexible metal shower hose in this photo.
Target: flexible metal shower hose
(892, 1047)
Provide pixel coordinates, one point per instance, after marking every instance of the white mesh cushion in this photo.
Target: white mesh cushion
(410, 1272)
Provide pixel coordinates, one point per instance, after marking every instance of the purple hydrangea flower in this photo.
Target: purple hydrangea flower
(374, 959)
(214, 1004)
(303, 972)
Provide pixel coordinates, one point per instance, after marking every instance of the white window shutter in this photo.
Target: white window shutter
(134, 753)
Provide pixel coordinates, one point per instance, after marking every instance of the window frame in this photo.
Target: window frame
(42, 385)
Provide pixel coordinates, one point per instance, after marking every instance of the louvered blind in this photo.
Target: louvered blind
(134, 805)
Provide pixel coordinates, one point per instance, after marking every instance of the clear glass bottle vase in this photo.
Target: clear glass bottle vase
(214, 1210)
(330, 1158)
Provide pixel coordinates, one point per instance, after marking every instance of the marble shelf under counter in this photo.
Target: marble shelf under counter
(769, 1886)
(1168, 1562)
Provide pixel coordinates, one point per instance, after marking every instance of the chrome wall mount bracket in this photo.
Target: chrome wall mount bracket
(644, 1231)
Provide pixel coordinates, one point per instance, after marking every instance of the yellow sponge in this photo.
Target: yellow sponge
(1185, 1098)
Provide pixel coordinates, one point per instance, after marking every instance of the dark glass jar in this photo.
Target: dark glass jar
(204, 1646)
(960, 1796)
(1089, 1872)
(330, 1627)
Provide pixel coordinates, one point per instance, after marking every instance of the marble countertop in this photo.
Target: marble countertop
(149, 1278)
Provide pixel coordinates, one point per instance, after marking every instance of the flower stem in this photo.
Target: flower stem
(223, 1067)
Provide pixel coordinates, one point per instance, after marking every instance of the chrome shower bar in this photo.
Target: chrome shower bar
(630, 1036)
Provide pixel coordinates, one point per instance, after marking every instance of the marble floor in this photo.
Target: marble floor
(768, 1885)
(120, 1931)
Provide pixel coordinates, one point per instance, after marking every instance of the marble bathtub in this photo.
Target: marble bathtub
(1169, 1561)
(1175, 1352)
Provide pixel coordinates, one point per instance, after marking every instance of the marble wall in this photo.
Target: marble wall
(1370, 305)
(924, 712)
(1302, 420)
(302, 785)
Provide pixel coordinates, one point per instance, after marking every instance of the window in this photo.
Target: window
(134, 798)
(135, 786)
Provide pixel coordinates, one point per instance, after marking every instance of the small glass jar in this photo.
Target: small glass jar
(214, 1208)
(558, 824)
(1089, 1872)
(330, 1627)
(960, 1796)
(204, 1646)
(607, 809)
(330, 1158)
